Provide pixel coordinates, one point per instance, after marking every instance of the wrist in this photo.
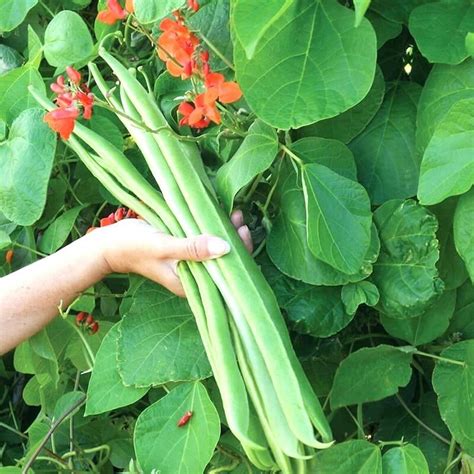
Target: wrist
(96, 244)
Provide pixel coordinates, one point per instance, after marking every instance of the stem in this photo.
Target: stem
(91, 356)
(53, 428)
(216, 50)
(291, 154)
(443, 359)
(360, 422)
(420, 422)
(452, 447)
(40, 254)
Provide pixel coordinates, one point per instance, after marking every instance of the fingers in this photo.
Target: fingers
(244, 234)
(237, 219)
(197, 248)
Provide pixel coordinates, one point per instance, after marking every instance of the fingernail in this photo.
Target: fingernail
(217, 247)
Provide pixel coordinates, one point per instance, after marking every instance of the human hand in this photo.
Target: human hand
(133, 246)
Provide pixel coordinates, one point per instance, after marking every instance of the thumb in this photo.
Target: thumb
(197, 248)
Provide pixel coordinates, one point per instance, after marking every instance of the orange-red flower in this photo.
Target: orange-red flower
(87, 102)
(194, 5)
(200, 113)
(226, 92)
(62, 120)
(176, 47)
(74, 75)
(114, 12)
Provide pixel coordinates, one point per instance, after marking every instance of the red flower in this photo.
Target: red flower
(113, 13)
(58, 86)
(74, 75)
(227, 92)
(193, 4)
(109, 220)
(201, 113)
(80, 318)
(119, 214)
(129, 6)
(62, 120)
(93, 328)
(87, 101)
(9, 256)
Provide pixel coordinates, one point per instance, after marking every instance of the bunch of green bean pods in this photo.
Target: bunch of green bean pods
(268, 402)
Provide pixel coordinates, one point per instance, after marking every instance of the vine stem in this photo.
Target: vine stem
(53, 428)
(90, 354)
(442, 359)
(449, 461)
(291, 154)
(216, 51)
(420, 422)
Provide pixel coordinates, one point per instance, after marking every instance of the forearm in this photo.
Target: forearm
(30, 297)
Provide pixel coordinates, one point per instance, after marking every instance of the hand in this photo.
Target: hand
(133, 246)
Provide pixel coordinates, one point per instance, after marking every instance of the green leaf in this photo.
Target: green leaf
(295, 258)
(5, 240)
(398, 424)
(406, 459)
(107, 129)
(150, 11)
(9, 59)
(331, 153)
(447, 168)
(469, 43)
(249, 26)
(315, 310)
(212, 22)
(351, 457)
(67, 40)
(450, 265)
(349, 124)
(13, 13)
(396, 11)
(462, 321)
(355, 294)
(57, 233)
(329, 69)
(160, 444)
(440, 29)
(445, 86)
(255, 155)
(385, 151)
(384, 29)
(406, 273)
(106, 391)
(332, 200)
(360, 7)
(371, 374)
(463, 228)
(35, 48)
(66, 403)
(159, 341)
(14, 95)
(425, 328)
(453, 384)
(26, 160)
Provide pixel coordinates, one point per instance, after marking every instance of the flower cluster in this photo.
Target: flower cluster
(181, 50)
(120, 214)
(114, 12)
(71, 98)
(87, 322)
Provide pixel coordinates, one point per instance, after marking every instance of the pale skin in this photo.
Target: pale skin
(30, 297)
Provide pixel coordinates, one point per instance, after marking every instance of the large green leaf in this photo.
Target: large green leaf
(338, 218)
(360, 7)
(255, 155)
(350, 123)
(445, 86)
(450, 265)
(406, 459)
(26, 160)
(295, 258)
(159, 340)
(14, 95)
(162, 445)
(250, 23)
(384, 29)
(331, 153)
(447, 168)
(13, 13)
(440, 29)
(149, 11)
(398, 424)
(57, 233)
(311, 64)
(396, 11)
(426, 327)
(385, 151)
(462, 321)
(371, 374)
(67, 40)
(106, 390)
(351, 457)
(406, 273)
(453, 383)
(315, 310)
(464, 228)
